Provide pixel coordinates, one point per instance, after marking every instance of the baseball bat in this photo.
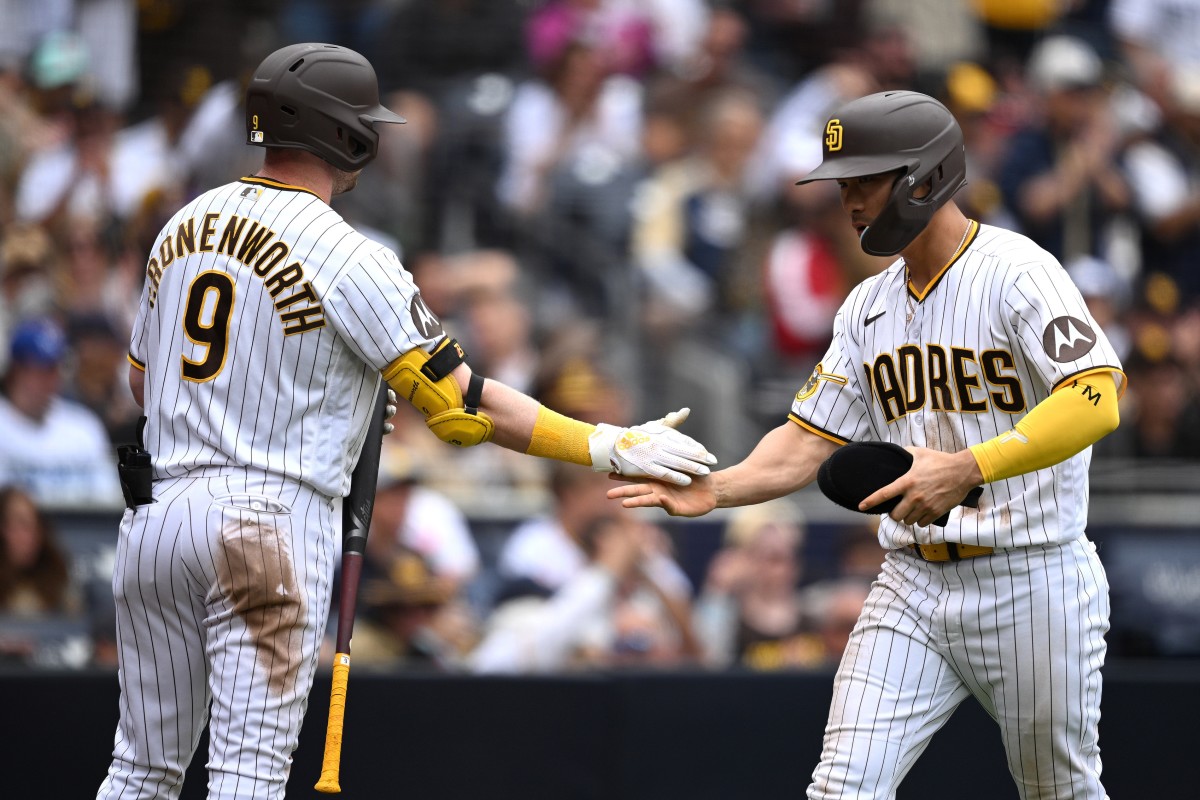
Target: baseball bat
(356, 520)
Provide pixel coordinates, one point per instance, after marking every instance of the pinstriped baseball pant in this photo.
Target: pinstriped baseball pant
(222, 594)
(1021, 630)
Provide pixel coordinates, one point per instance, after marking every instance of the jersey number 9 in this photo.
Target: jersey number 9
(213, 334)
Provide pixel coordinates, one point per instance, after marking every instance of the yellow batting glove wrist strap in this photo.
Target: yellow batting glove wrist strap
(561, 438)
(1074, 417)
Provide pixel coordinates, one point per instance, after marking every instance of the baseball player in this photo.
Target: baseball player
(976, 353)
(264, 326)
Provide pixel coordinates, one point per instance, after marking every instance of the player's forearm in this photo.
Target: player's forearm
(1071, 419)
(526, 426)
(514, 413)
(786, 459)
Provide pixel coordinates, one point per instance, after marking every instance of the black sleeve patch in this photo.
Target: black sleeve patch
(1068, 339)
(425, 320)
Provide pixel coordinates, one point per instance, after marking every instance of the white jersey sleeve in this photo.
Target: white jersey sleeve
(377, 310)
(830, 404)
(137, 340)
(1059, 337)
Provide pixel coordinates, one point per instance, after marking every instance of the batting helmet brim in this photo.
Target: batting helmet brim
(857, 167)
(380, 114)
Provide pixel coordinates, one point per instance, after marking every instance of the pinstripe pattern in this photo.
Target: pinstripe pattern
(293, 405)
(263, 327)
(186, 641)
(1000, 295)
(1021, 630)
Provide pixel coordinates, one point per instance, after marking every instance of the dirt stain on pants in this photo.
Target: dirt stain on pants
(258, 581)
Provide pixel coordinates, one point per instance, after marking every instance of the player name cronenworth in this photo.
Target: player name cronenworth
(249, 246)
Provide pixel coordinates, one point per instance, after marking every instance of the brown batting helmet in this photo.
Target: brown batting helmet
(322, 98)
(907, 132)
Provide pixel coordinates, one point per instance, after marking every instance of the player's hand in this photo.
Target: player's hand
(693, 499)
(389, 411)
(650, 450)
(935, 483)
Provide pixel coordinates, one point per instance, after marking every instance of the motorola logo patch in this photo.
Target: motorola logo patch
(425, 320)
(1067, 339)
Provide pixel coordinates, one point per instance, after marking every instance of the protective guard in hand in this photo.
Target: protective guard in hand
(135, 469)
(856, 471)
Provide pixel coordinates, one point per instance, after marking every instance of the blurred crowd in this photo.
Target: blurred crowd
(597, 197)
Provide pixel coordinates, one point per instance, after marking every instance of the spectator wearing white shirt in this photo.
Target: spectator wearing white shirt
(580, 119)
(56, 450)
(549, 550)
(408, 515)
(618, 609)
(546, 549)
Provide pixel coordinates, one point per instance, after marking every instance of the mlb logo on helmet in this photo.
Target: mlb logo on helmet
(256, 136)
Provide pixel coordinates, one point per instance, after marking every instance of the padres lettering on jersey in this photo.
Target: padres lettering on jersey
(956, 365)
(944, 379)
(268, 311)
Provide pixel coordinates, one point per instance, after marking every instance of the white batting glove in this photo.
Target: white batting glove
(389, 411)
(650, 450)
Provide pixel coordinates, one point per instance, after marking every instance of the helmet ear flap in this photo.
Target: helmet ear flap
(358, 148)
(899, 222)
(906, 215)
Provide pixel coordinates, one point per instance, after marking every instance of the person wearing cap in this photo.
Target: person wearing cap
(1155, 37)
(411, 516)
(400, 599)
(1060, 178)
(57, 450)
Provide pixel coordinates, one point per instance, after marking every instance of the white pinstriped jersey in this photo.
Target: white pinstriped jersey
(993, 335)
(263, 326)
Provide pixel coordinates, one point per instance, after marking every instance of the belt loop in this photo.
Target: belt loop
(952, 551)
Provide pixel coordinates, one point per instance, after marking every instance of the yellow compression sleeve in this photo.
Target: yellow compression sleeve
(1075, 416)
(561, 438)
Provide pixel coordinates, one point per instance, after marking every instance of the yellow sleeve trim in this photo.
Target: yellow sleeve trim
(808, 426)
(1118, 377)
(561, 438)
(1055, 429)
(135, 362)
